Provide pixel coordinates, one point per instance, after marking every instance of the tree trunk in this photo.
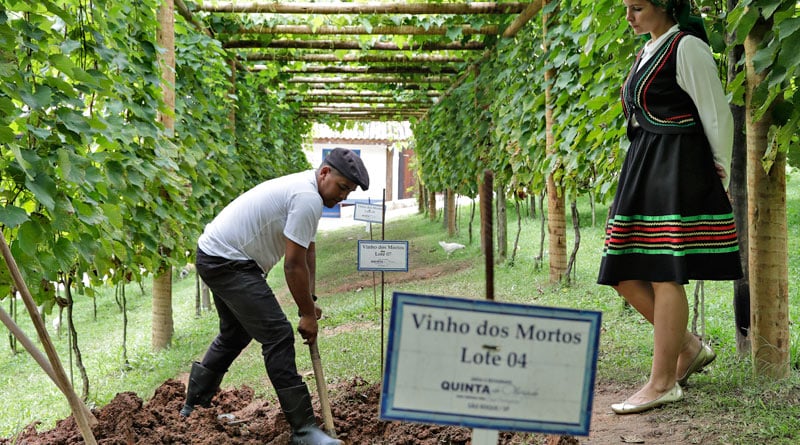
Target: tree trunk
(162, 283)
(166, 39)
(451, 213)
(766, 189)
(432, 205)
(540, 256)
(556, 225)
(556, 206)
(205, 298)
(162, 309)
(73, 341)
(12, 310)
(573, 258)
(471, 219)
(422, 196)
(232, 92)
(518, 206)
(502, 223)
(121, 290)
(738, 193)
(445, 208)
(197, 304)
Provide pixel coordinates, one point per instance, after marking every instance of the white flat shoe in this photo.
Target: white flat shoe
(704, 356)
(673, 395)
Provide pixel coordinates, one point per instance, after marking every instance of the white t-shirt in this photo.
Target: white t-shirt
(697, 74)
(255, 225)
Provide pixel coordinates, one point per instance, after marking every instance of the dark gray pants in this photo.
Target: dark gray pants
(248, 310)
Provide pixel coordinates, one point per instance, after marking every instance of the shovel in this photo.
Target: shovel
(322, 389)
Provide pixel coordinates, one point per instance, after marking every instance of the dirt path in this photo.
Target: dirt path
(668, 425)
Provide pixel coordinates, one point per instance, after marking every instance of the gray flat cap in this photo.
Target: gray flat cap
(349, 165)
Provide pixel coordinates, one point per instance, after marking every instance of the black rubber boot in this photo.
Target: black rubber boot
(203, 384)
(296, 405)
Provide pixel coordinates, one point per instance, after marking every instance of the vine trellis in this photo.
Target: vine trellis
(92, 183)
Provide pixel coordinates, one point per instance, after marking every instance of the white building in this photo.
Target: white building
(383, 146)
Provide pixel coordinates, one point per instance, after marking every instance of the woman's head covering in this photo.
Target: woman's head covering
(681, 11)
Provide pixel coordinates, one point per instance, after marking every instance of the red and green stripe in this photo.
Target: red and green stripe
(674, 235)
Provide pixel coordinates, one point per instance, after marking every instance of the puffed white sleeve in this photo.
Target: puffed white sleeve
(697, 74)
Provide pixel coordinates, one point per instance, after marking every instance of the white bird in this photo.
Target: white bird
(450, 247)
(186, 270)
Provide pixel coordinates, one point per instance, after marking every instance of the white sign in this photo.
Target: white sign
(368, 212)
(490, 365)
(389, 256)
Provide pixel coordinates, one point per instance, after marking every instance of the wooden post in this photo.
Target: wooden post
(556, 205)
(486, 436)
(450, 208)
(487, 230)
(502, 223)
(232, 92)
(83, 417)
(163, 324)
(389, 174)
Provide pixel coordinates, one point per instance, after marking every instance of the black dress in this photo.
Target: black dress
(671, 219)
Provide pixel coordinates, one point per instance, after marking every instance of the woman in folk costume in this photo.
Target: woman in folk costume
(671, 220)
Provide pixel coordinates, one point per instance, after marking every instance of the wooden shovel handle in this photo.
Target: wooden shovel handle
(322, 389)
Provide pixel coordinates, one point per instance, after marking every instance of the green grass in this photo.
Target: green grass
(740, 408)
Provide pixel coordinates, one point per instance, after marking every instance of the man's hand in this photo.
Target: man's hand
(317, 312)
(308, 328)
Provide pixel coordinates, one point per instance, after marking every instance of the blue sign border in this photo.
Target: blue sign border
(400, 300)
(332, 212)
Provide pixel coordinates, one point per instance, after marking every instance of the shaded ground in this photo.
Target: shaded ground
(235, 417)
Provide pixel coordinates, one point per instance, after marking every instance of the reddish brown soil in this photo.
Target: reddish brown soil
(128, 420)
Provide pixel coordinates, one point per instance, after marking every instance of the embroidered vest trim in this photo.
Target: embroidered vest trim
(652, 94)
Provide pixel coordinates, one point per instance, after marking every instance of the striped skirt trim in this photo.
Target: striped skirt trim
(674, 235)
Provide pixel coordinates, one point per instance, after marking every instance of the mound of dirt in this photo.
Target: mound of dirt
(236, 417)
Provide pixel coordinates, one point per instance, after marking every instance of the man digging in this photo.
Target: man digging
(277, 218)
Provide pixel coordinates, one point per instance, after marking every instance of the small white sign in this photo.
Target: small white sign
(388, 256)
(489, 365)
(368, 212)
